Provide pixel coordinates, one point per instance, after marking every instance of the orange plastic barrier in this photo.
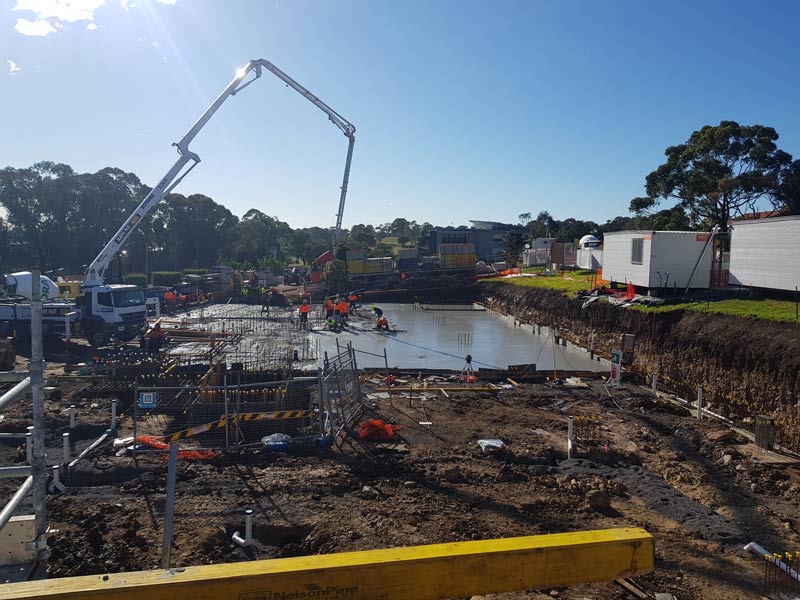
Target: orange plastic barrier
(157, 444)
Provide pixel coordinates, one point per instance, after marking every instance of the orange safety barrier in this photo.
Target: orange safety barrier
(157, 444)
(377, 431)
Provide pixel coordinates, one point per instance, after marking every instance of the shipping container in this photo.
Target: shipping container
(455, 249)
(406, 253)
(355, 255)
(457, 261)
(356, 266)
(765, 253)
(379, 265)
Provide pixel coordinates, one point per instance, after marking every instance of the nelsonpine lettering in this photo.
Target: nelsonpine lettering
(311, 592)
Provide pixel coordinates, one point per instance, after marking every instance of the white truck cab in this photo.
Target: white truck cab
(111, 311)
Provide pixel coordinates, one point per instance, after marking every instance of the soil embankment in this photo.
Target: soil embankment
(745, 366)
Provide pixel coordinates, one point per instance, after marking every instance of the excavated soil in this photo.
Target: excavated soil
(701, 490)
(746, 366)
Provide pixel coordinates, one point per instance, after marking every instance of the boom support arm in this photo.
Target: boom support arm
(188, 160)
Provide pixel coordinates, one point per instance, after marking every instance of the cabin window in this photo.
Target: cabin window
(104, 299)
(637, 251)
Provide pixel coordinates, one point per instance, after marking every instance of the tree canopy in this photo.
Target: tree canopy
(720, 173)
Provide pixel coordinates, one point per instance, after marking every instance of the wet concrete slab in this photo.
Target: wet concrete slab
(442, 337)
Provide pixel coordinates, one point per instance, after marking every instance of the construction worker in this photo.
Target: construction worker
(266, 297)
(305, 308)
(245, 294)
(378, 312)
(169, 300)
(352, 299)
(329, 308)
(157, 338)
(382, 324)
(344, 309)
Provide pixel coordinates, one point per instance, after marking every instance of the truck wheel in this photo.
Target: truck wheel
(93, 330)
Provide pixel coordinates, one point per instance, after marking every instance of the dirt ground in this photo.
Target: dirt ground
(701, 490)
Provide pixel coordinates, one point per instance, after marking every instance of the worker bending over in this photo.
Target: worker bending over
(157, 338)
(381, 322)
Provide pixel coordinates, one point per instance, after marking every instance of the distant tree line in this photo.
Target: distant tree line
(57, 220)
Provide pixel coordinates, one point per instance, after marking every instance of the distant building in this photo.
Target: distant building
(487, 236)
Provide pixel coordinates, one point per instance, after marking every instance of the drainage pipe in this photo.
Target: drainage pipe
(761, 552)
(16, 500)
(15, 393)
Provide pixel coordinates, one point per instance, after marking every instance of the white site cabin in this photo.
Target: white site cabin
(765, 253)
(658, 259)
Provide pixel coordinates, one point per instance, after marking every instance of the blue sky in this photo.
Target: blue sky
(464, 110)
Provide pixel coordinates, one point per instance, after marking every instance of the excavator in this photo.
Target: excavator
(103, 311)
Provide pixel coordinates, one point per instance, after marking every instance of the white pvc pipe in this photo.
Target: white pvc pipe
(15, 393)
(16, 471)
(94, 445)
(16, 500)
(248, 531)
(114, 415)
(248, 526)
(65, 439)
(762, 552)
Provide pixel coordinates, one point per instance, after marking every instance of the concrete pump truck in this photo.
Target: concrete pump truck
(102, 311)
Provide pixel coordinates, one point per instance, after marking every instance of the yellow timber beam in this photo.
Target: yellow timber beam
(432, 572)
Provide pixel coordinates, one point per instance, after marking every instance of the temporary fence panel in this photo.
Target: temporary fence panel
(231, 415)
(340, 390)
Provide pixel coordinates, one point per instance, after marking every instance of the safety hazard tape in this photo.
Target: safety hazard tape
(259, 416)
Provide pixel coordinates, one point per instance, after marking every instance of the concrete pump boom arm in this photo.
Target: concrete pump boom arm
(188, 160)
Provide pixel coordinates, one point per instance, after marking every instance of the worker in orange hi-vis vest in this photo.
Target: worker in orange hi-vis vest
(329, 307)
(344, 309)
(353, 300)
(305, 308)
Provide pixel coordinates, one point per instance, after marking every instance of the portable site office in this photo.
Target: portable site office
(765, 253)
(658, 259)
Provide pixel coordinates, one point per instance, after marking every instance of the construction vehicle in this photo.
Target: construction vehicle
(109, 310)
(318, 266)
(8, 357)
(104, 311)
(20, 285)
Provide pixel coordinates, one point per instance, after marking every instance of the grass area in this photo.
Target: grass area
(569, 283)
(391, 241)
(770, 310)
(573, 281)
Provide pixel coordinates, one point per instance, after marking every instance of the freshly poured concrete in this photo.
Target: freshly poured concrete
(443, 338)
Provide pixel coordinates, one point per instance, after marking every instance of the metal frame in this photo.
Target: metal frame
(35, 474)
(187, 158)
